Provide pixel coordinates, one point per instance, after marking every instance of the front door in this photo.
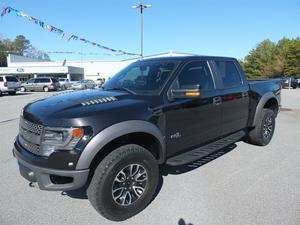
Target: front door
(30, 84)
(193, 121)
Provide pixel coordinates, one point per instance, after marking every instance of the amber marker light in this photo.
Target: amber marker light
(193, 94)
(78, 132)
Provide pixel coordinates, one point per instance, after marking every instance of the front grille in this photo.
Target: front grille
(32, 127)
(35, 149)
(30, 136)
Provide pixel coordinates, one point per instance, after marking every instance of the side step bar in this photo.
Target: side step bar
(205, 150)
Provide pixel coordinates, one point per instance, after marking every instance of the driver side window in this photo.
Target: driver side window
(31, 81)
(196, 73)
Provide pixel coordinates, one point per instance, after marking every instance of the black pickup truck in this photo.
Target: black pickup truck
(171, 110)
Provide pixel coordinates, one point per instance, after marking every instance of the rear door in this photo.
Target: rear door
(194, 121)
(234, 95)
(43, 83)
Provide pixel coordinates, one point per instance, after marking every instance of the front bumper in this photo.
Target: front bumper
(52, 179)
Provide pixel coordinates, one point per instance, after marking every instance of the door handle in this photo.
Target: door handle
(217, 100)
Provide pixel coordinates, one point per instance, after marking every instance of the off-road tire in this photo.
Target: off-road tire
(256, 136)
(99, 191)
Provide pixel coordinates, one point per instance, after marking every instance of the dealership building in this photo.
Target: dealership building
(25, 68)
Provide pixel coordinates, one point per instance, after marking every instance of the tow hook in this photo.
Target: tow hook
(31, 184)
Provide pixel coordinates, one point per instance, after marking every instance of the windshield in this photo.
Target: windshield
(143, 77)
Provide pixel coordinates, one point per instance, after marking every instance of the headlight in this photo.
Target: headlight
(56, 138)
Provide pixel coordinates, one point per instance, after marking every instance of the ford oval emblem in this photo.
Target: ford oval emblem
(20, 70)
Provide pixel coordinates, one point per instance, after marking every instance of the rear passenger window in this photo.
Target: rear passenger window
(1, 79)
(196, 73)
(229, 74)
(44, 80)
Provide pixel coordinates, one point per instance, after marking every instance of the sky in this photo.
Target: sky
(205, 27)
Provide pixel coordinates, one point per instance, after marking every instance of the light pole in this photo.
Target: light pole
(141, 6)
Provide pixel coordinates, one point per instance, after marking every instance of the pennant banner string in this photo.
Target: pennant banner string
(69, 52)
(53, 29)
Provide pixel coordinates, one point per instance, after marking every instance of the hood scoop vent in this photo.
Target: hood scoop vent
(99, 101)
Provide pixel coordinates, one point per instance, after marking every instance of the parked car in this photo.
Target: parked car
(298, 82)
(114, 139)
(9, 84)
(83, 84)
(64, 83)
(289, 82)
(100, 81)
(41, 84)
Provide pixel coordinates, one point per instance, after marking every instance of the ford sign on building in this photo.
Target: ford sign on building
(20, 70)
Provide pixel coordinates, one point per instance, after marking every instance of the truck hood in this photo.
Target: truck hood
(81, 108)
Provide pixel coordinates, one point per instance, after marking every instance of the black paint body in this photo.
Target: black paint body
(197, 120)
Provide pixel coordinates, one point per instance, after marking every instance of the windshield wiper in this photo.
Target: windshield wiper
(121, 89)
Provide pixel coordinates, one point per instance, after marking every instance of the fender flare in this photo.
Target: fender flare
(117, 130)
(263, 100)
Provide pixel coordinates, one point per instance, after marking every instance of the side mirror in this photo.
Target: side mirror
(186, 91)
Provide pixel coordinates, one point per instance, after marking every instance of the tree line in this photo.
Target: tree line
(19, 46)
(273, 59)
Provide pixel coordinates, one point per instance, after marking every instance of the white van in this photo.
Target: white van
(9, 84)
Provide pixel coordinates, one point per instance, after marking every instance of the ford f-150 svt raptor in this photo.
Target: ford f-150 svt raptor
(171, 110)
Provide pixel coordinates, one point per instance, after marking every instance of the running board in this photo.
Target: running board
(205, 150)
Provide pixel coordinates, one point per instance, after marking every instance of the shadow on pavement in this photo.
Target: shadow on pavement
(22, 93)
(17, 94)
(182, 222)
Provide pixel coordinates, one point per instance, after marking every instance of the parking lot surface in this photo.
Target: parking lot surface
(240, 185)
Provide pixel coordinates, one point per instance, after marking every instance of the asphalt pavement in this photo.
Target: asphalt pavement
(240, 185)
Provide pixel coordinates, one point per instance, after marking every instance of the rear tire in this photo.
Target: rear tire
(46, 89)
(0, 93)
(263, 132)
(124, 182)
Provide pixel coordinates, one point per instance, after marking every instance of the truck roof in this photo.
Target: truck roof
(184, 58)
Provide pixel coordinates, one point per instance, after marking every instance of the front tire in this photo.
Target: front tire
(263, 132)
(23, 89)
(124, 182)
